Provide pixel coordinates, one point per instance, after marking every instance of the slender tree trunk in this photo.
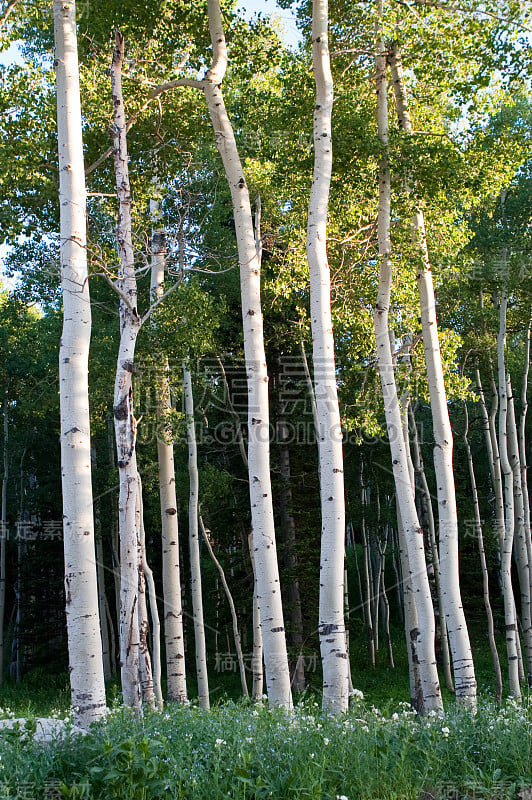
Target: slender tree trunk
(234, 617)
(422, 635)
(385, 615)
(273, 631)
(483, 565)
(173, 608)
(520, 534)
(507, 475)
(3, 532)
(331, 626)
(83, 625)
(427, 503)
(125, 426)
(193, 541)
(464, 671)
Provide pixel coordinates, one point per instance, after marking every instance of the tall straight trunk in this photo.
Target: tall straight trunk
(173, 608)
(414, 567)
(83, 625)
(125, 426)
(3, 531)
(427, 503)
(265, 553)
(507, 475)
(522, 547)
(464, 671)
(193, 541)
(331, 625)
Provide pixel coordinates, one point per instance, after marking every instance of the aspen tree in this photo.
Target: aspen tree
(173, 608)
(84, 642)
(508, 489)
(193, 543)
(421, 637)
(464, 671)
(331, 625)
(265, 554)
(520, 532)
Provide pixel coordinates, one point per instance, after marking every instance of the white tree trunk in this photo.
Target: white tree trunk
(173, 608)
(507, 475)
(427, 501)
(464, 671)
(520, 533)
(331, 625)
(125, 430)
(273, 631)
(193, 541)
(84, 642)
(414, 567)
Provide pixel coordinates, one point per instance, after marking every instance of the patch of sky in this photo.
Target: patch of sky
(290, 34)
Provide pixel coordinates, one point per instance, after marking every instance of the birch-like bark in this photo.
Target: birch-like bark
(507, 476)
(124, 419)
(193, 542)
(414, 566)
(84, 642)
(331, 625)
(427, 503)
(232, 609)
(464, 671)
(3, 531)
(520, 533)
(271, 611)
(173, 608)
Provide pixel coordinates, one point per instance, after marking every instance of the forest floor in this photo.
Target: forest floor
(243, 752)
(380, 750)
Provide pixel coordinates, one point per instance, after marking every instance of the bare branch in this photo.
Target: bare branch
(152, 95)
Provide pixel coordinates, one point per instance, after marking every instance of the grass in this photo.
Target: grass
(246, 753)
